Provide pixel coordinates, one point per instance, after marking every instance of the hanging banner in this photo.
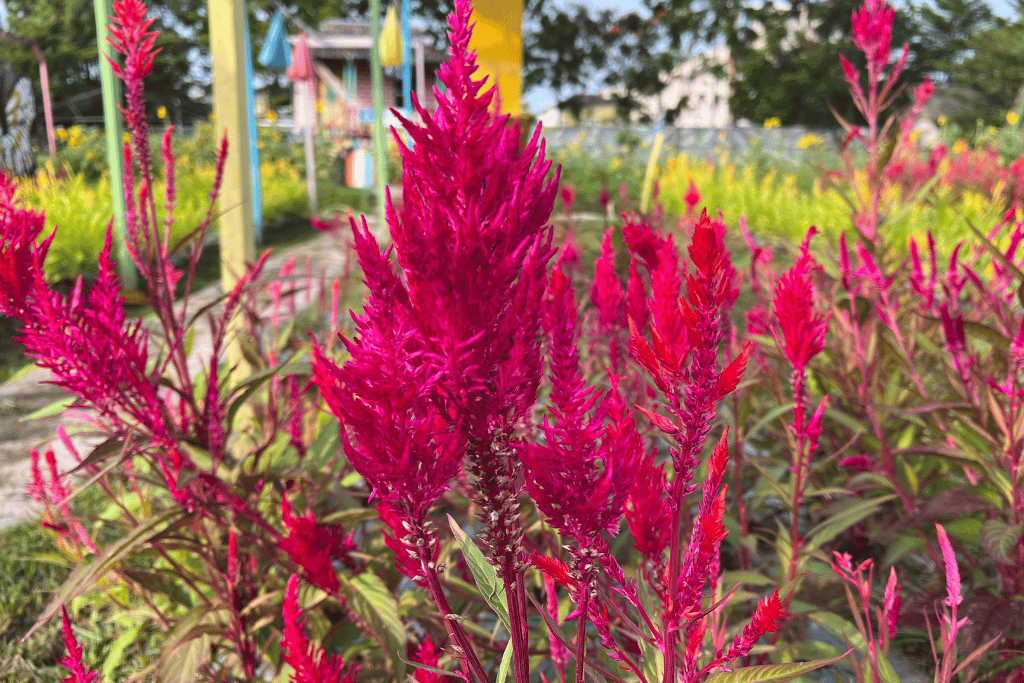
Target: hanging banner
(276, 52)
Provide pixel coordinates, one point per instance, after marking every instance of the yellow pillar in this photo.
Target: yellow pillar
(498, 41)
(237, 243)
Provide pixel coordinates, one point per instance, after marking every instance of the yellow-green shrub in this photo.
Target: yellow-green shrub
(775, 207)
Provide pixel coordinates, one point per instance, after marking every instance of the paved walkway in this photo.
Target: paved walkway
(30, 392)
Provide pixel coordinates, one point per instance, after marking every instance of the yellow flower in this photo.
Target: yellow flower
(773, 122)
(126, 136)
(213, 116)
(960, 146)
(271, 116)
(61, 134)
(808, 140)
(722, 136)
(992, 130)
(1012, 118)
(161, 112)
(915, 135)
(942, 120)
(319, 106)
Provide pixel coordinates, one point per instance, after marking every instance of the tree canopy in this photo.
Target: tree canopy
(784, 56)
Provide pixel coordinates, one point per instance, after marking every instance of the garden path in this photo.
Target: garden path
(28, 393)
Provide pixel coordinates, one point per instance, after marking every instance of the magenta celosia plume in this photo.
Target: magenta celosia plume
(309, 662)
(801, 327)
(73, 656)
(580, 474)
(473, 242)
(447, 360)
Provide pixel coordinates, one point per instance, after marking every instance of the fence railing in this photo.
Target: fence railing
(789, 142)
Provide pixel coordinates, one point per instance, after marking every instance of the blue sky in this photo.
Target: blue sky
(540, 99)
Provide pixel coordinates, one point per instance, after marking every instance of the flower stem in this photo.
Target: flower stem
(518, 624)
(581, 633)
(467, 655)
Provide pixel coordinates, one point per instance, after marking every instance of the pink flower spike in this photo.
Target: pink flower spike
(311, 664)
(891, 602)
(952, 571)
(692, 197)
(36, 488)
(72, 659)
(872, 31)
(801, 327)
(314, 547)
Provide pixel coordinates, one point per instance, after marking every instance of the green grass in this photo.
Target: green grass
(26, 584)
(32, 568)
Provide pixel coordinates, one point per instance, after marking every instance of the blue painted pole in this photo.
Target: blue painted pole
(406, 56)
(254, 135)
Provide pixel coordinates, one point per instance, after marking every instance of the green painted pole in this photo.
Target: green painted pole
(112, 125)
(379, 143)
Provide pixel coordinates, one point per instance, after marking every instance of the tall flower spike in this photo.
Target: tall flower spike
(473, 241)
(310, 663)
(872, 30)
(73, 657)
(392, 431)
(131, 36)
(801, 327)
(578, 476)
(952, 570)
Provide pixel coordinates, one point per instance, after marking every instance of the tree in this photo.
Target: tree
(993, 71)
(946, 30)
(66, 33)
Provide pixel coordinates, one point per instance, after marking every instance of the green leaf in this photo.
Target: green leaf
(375, 605)
(848, 633)
(999, 539)
(770, 417)
(85, 575)
(846, 516)
(904, 545)
(752, 578)
(772, 673)
(160, 582)
(115, 655)
(182, 665)
(349, 516)
(55, 408)
(506, 662)
(25, 369)
(100, 453)
(487, 581)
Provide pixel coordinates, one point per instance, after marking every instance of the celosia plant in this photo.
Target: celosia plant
(266, 536)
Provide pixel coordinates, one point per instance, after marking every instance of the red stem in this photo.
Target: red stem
(468, 657)
(581, 633)
(518, 624)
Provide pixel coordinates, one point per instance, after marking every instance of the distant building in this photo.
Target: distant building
(341, 57)
(597, 110)
(704, 95)
(706, 103)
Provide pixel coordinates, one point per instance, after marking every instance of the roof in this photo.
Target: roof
(340, 39)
